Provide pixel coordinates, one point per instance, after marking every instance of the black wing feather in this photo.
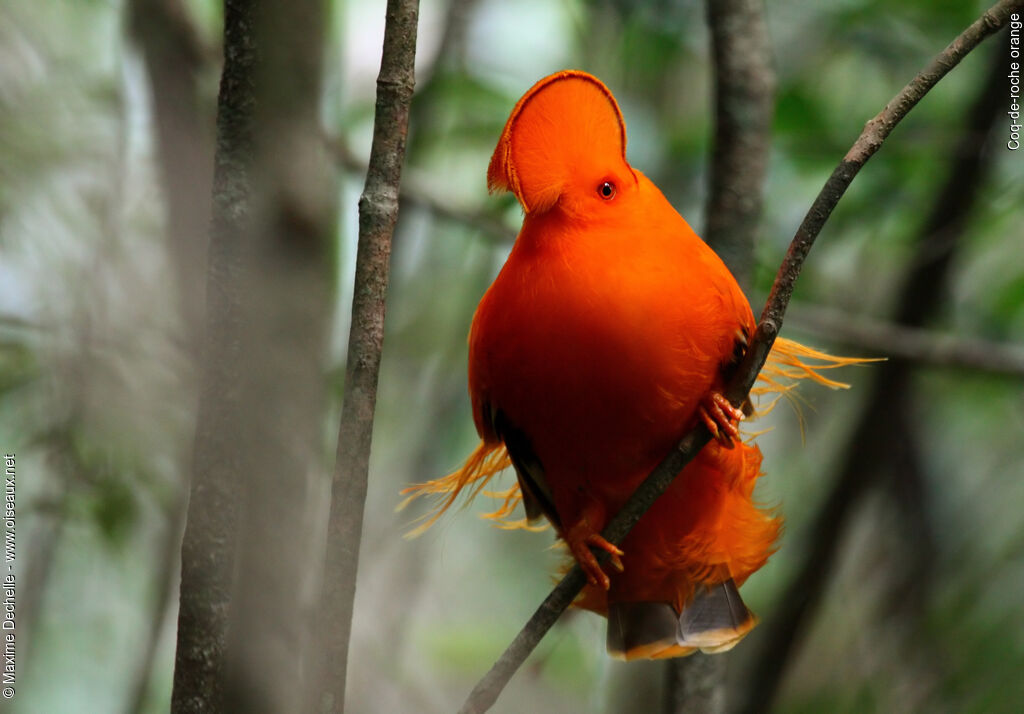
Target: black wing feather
(537, 498)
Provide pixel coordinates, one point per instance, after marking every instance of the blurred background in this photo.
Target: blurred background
(897, 585)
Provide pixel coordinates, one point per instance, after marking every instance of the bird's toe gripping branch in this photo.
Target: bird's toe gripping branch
(721, 418)
(580, 538)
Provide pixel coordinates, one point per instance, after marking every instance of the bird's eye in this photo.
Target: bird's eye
(606, 190)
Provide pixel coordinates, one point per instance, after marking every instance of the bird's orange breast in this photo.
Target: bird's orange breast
(599, 338)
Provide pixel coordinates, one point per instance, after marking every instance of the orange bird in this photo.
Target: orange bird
(610, 331)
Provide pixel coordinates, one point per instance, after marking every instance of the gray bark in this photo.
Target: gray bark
(378, 213)
(245, 550)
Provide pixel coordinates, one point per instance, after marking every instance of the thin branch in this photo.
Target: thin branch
(378, 213)
(486, 692)
(876, 444)
(869, 141)
(912, 344)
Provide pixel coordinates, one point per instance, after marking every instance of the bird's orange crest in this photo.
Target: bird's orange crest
(566, 123)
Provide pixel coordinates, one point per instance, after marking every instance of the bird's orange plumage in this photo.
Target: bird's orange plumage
(606, 331)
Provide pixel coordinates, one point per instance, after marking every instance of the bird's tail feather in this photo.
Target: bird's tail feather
(713, 621)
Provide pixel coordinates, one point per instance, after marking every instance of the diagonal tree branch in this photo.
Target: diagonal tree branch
(880, 438)
(378, 213)
(486, 692)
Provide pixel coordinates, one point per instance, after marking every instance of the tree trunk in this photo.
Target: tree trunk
(245, 551)
(744, 93)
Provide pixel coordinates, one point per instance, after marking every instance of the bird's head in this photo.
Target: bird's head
(564, 146)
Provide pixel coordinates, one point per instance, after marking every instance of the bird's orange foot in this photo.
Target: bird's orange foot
(580, 538)
(720, 417)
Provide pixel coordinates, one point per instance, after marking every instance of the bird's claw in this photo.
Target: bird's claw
(720, 417)
(580, 538)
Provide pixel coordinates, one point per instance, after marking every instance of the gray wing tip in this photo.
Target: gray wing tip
(638, 630)
(714, 621)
